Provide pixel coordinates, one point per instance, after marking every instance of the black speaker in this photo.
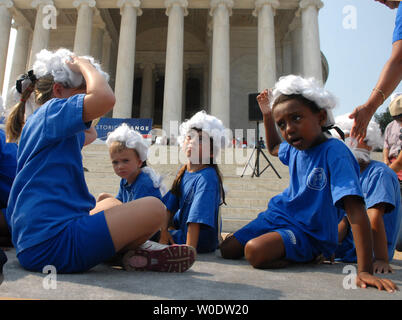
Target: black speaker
(254, 112)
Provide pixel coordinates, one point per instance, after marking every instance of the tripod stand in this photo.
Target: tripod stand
(256, 169)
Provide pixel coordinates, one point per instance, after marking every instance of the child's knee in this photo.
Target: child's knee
(252, 253)
(231, 248)
(156, 208)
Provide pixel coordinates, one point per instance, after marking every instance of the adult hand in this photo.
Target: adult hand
(362, 116)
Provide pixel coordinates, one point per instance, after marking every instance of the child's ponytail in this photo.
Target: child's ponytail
(16, 119)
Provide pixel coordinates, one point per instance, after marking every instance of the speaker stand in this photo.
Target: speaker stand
(256, 169)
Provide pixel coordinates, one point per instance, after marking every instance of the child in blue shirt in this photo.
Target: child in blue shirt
(129, 151)
(381, 192)
(301, 222)
(8, 168)
(49, 203)
(197, 190)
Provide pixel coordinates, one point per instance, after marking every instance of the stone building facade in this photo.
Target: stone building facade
(170, 58)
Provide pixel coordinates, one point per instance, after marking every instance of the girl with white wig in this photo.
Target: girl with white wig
(301, 223)
(197, 191)
(49, 204)
(380, 187)
(128, 152)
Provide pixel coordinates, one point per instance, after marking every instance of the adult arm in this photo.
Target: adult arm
(389, 79)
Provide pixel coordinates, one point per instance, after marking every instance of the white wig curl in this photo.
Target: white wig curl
(131, 138)
(310, 89)
(373, 136)
(208, 124)
(54, 63)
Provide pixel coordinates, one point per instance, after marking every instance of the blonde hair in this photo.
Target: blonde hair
(43, 90)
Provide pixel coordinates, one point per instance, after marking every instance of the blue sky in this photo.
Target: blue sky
(357, 55)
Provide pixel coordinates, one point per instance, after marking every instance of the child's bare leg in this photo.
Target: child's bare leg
(132, 223)
(105, 204)
(231, 248)
(266, 251)
(104, 196)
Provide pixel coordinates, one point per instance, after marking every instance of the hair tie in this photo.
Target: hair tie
(28, 76)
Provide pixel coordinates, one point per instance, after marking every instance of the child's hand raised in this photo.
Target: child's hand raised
(74, 63)
(264, 101)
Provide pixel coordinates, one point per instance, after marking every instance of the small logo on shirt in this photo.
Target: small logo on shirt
(317, 180)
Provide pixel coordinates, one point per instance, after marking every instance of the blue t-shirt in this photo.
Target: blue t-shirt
(397, 35)
(8, 168)
(380, 185)
(319, 178)
(49, 190)
(141, 187)
(198, 203)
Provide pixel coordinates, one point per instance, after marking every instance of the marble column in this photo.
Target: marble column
(98, 32)
(147, 92)
(287, 55)
(220, 75)
(106, 52)
(124, 86)
(40, 39)
(186, 71)
(295, 34)
(173, 91)
(83, 31)
(21, 50)
(265, 11)
(5, 28)
(312, 65)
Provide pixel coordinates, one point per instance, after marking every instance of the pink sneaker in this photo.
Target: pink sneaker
(154, 256)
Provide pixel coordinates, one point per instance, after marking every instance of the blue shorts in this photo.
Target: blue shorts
(298, 246)
(83, 244)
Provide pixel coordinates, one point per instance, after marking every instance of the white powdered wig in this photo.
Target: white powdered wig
(310, 89)
(208, 124)
(134, 140)
(373, 138)
(54, 63)
(131, 138)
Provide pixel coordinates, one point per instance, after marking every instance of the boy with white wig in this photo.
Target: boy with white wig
(128, 151)
(49, 204)
(301, 223)
(380, 187)
(197, 191)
